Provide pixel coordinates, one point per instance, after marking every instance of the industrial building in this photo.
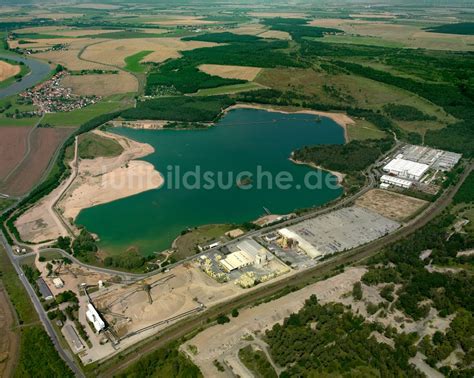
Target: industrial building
(248, 252)
(94, 317)
(406, 169)
(337, 231)
(73, 338)
(436, 159)
(395, 181)
(44, 289)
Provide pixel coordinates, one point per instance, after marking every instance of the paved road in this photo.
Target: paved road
(65, 355)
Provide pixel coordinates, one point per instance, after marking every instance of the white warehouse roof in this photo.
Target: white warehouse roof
(94, 317)
(397, 181)
(406, 168)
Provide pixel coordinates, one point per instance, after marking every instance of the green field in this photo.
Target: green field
(51, 255)
(92, 145)
(229, 89)
(361, 40)
(364, 130)
(17, 293)
(12, 105)
(76, 118)
(132, 62)
(5, 202)
(187, 244)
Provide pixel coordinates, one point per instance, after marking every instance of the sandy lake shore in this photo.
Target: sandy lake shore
(340, 176)
(341, 119)
(104, 180)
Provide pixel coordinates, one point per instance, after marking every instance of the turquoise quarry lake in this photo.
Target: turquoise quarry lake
(241, 141)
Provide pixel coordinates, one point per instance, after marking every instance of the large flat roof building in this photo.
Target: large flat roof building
(395, 181)
(247, 254)
(406, 169)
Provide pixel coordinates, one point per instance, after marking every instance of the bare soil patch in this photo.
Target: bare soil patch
(12, 148)
(231, 72)
(44, 143)
(8, 70)
(389, 204)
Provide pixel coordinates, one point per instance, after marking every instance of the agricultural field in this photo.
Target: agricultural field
(8, 70)
(44, 142)
(389, 34)
(77, 117)
(15, 141)
(231, 72)
(101, 85)
(114, 52)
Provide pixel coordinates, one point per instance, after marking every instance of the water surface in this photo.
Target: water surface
(39, 72)
(241, 140)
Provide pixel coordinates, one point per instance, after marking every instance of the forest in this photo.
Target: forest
(328, 340)
(185, 109)
(351, 157)
(163, 362)
(451, 294)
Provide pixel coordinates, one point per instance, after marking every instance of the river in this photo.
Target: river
(38, 72)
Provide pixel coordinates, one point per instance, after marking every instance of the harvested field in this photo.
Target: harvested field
(12, 148)
(391, 205)
(406, 35)
(41, 44)
(8, 70)
(113, 52)
(101, 85)
(9, 339)
(231, 72)
(69, 57)
(44, 143)
(251, 29)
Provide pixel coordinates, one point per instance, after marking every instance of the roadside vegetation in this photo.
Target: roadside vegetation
(164, 362)
(37, 356)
